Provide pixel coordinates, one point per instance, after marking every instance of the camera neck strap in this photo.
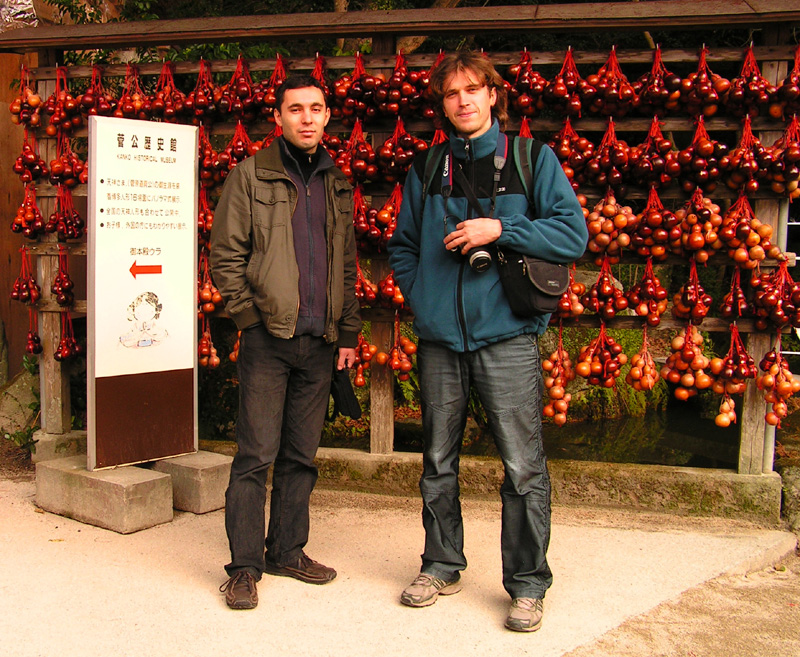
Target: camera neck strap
(500, 157)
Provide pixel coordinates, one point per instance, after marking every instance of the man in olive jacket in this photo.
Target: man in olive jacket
(283, 256)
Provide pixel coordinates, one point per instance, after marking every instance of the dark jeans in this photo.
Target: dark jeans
(507, 376)
(284, 386)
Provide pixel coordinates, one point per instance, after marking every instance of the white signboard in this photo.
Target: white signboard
(142, 239)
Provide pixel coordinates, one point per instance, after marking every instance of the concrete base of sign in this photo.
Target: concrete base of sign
(51, 446)
(124, 500)
(199, 480)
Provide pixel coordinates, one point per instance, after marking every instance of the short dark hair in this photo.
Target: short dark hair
(480, 65)
(298, 82)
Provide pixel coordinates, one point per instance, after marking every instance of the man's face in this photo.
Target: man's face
(303, 116)
(468, 104)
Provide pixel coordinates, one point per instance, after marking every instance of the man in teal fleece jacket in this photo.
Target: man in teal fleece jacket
(468, 334)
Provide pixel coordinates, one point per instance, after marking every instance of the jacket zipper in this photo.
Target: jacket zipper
(462, 319)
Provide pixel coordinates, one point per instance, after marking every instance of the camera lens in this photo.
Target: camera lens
(479, 259)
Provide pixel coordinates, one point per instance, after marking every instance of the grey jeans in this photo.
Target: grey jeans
(508, 378)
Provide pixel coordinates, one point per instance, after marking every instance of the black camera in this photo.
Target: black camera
(479, 258)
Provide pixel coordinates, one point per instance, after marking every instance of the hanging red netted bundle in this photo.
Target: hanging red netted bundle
(68, 346)
(264, 91)
(96, 100)
(237, 97)
(206, 351)
(785, 172)
(65, 220)
(609, 165)
(67, 168)
(205, 220)
(643, 373)
(615, 95)
(733, 370)
(691, 301)
(568, 93)
(439, 137)
(201, 102)
(29, 165)
(207, 157)
(25, 288)
(26, 108)
(427, 111)
(703, 161)
(525, 87)
(558, 372)
(402, 93)
(239, 148)
(354, 94)
(658, 92)
(366, 290)
(777, 298)
(607, 224)
(28, 220)
(747, 239)
(569, 305)
(750, 94)
(573, 151)
(318, 73)
(685, 367)
(735, 304)
(398, 152)
(788, 94)
(133, 103)
(387, 216)
(62, 284)
(209, 299)
(697, 233)
(356, 159)
(169, 103)
(389, 294)
(776, 383)
(365, 353)
(374, 227)
(606, 297)
(654, 163)
(648, 297)
(651, 229)
(703, 91)
(63, 108)
(361, 224)
(33, 344)
(600, 362)
(399, 358)
(749, 163)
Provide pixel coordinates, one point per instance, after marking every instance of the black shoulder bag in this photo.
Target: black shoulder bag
(532, 286)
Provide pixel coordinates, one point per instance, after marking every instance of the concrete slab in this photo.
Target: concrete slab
(124, 500)
(51, 446)
(99, 589)
(199, 480)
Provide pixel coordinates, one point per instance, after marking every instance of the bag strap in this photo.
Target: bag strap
(526, 155)
(433, 157)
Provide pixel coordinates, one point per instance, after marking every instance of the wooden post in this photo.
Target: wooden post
(381, 433)
(53, 376)
(757, 438)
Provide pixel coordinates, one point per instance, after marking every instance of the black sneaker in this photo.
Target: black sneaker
(304, 568)
(240, 591)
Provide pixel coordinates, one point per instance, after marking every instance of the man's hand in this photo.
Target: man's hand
(347, 358)
(473, 232)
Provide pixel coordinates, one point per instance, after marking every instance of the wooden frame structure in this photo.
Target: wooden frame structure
(776, 16)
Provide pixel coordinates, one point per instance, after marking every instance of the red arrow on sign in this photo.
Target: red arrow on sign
(144, 269)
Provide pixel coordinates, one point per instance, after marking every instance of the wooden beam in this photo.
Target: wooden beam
(624, 16)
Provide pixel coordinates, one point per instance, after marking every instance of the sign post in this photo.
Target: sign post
(142, 291)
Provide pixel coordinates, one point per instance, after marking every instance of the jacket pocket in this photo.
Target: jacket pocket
(271, 206)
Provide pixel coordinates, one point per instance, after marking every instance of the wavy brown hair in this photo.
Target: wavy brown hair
(474, 63)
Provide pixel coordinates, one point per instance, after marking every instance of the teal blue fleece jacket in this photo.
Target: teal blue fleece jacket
(453, 305)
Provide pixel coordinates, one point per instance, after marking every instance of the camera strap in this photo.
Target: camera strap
(500, 157)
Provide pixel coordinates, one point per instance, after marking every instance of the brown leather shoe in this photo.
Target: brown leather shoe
(240, 591)
(305, 569)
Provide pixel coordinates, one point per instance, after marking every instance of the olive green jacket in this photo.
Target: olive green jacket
(252, 249)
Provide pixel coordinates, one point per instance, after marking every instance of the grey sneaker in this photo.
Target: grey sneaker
(424, 590)
(525, 614)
